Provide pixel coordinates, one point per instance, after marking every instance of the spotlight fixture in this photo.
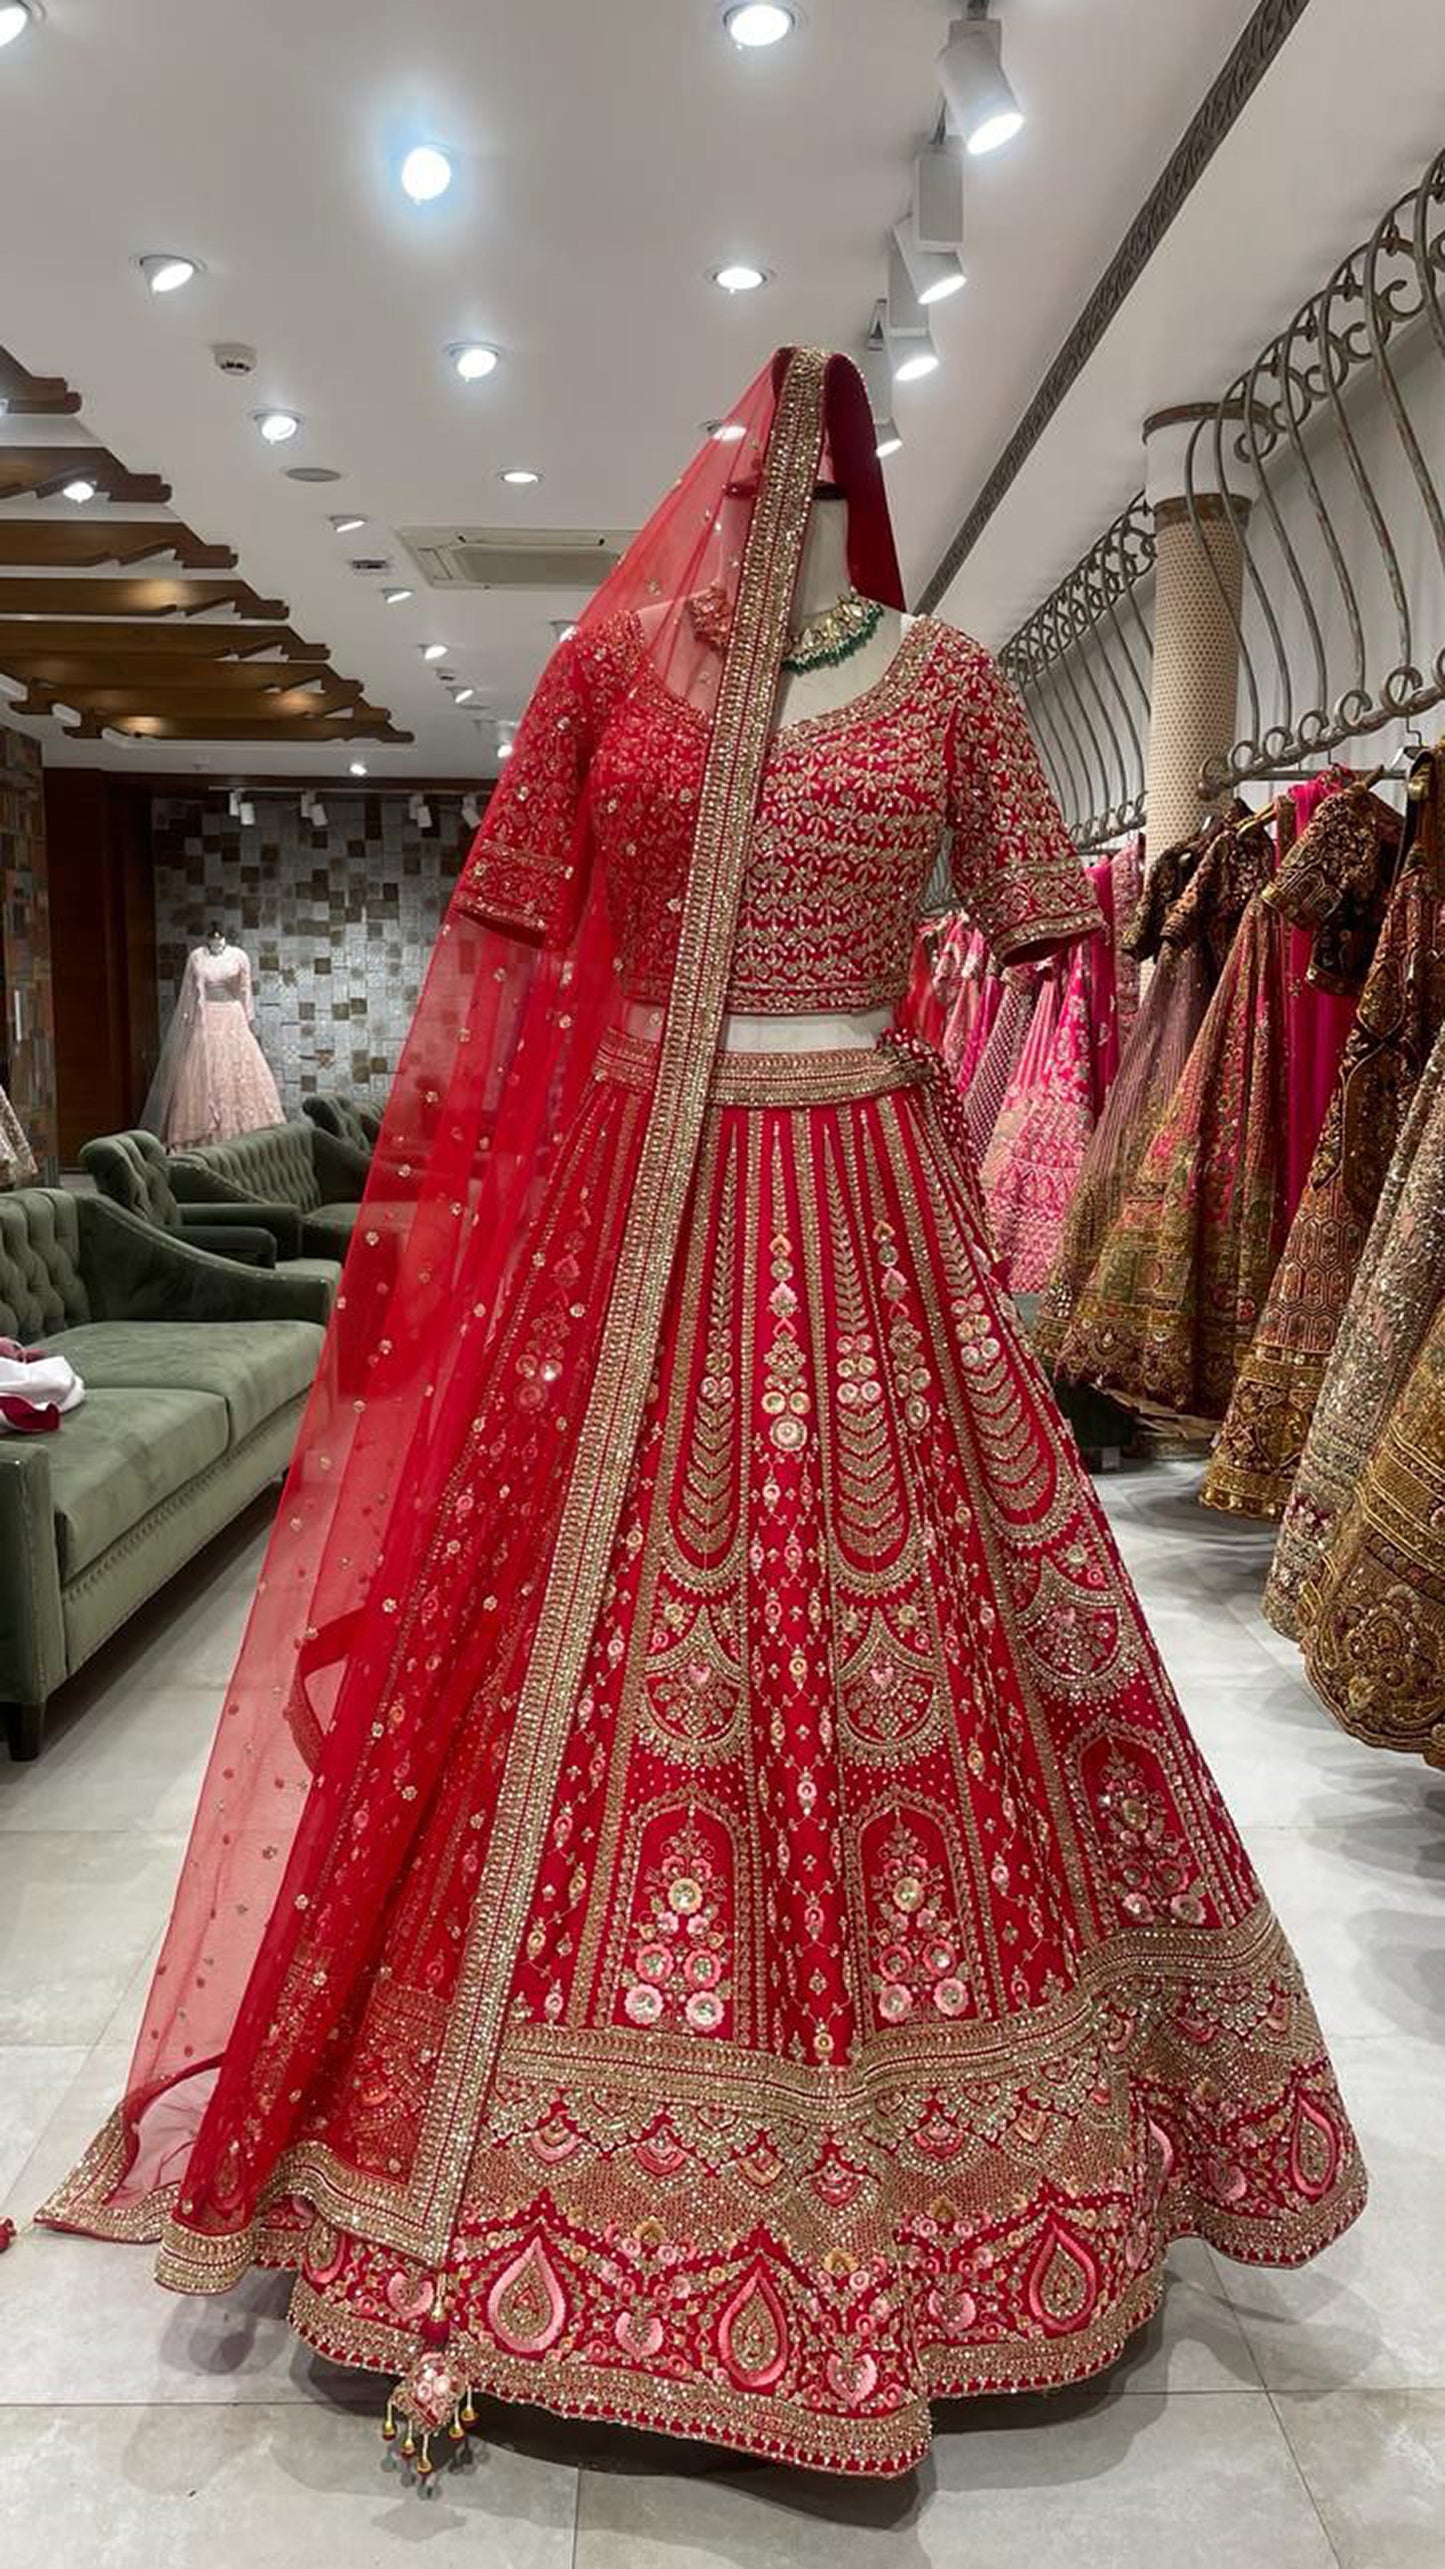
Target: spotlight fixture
(755, 23)
(912, 363)
(464, 695)
(398, 597)
(938, 197)
(889, 440)
(933, 274)
(347, 525)
(313, 810)
(982, 108)
(471, 811)
(874, 366)
(15, 18)
(727, 432)
(357, 767)
(520, 476)
(911, 352)
(241, 808)
(276, 425)
(419, 811)
(426, 173)
(433, 651)
(506, 739)
(80, 491)
(563, 628)
(473, 359)
(739, 277)
(165, 273)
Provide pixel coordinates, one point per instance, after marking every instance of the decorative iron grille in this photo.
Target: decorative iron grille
(1083, 664)
(1320, 450)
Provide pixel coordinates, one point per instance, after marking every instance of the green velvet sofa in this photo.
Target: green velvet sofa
(133, 1170)
(196, 1372)
(304, 1184)
(344, 1117)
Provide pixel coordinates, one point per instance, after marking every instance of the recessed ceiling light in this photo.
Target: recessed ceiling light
(521, 476)
(347, 525)
(739, 277)
(728, 432)
(357, 767)
(433, 651)
(276, 425)
(758, 22)
(504, 749)
(398, 597)
(912, 368)
(473, 359)
(426, 173)
(165, 273)
(889, 440)
(80, 491)
(15, 17)
(464, 695)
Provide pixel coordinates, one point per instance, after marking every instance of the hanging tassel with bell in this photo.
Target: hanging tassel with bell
(425, 2465)
(388, 2423)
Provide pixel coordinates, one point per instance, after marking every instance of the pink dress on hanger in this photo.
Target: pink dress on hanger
(213, 1080)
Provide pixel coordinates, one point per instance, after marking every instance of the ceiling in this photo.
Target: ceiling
(606, 158)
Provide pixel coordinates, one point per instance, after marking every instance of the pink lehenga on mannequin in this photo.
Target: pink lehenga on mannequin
(705, 1911)
(212, 1080)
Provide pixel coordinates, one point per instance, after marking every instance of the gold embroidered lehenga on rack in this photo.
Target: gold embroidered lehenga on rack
(751, 1946)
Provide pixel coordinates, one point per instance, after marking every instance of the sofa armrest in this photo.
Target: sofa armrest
(32, 1629)
(133, 1272)
(244, 1246)
(341, 1169)
(196, 1188)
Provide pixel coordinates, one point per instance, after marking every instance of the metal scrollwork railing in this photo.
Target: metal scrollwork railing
(1319, 453)
(1083, 665)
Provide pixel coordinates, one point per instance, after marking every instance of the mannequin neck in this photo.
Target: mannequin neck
(823, 568)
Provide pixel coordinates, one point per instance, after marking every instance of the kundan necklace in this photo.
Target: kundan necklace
(835, 635)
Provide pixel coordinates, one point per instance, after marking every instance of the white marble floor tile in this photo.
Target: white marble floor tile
(95, 2487)
(1363, 1903)
(127, 1755)
(1370, 2313)
(1374, 2463)
(78, 1908)
(33, 2079)
(1117, 2483)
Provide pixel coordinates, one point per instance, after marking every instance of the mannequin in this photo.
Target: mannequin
(216, 939)
(212, 1080)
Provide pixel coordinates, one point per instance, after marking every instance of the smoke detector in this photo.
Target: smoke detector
(234, 357)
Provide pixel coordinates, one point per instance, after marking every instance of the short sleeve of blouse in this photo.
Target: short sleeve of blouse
(1015, 868)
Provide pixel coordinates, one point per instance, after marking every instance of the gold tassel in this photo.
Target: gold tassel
(408, 2449)
(425, 2464)
(388, 2423)
(469, 2414)
(456, 2430)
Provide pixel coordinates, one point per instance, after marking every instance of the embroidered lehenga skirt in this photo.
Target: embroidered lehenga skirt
(895, 1987)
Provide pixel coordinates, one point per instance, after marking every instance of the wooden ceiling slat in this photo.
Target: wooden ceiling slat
(81, 545)
(43, 471)
(215, 691)
(372, 726)
(138, 599)
(51, 673)
(57, 647)
(23, 392)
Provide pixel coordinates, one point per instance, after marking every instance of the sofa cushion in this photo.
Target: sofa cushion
(132, 1170)
(326, 1233)
(254, 1366)
(118, 1456)
(40, 1279)
(342, 1116)
(275, 1165)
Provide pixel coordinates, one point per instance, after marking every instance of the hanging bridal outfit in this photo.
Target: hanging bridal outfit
(704, 1911)
(17, 1160)
(212, 1080)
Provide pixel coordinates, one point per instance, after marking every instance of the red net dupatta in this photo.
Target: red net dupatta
(435, 1572)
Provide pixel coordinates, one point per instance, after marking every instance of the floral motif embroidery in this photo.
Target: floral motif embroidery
(678, 1974)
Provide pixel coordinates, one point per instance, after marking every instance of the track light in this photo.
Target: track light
(433, 651)
(419, 811)
(471, 812)
(241, 809)
(933, 274)
(464, 695)
(313, 810)
(506, 739)
(889, 440)
(982, 108)
(911, 351)
(15, 18)
(938, 197)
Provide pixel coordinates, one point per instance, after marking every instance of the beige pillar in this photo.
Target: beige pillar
(1197, 590)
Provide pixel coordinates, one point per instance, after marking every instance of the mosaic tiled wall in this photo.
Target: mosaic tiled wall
(27, 1016)
(339, 923)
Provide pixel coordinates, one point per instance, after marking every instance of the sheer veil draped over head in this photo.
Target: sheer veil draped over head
(391, 1632)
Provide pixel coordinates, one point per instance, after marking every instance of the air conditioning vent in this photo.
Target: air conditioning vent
(371, 565)
(509, 557)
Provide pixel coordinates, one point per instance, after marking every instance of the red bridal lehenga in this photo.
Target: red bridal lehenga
(704, 1911)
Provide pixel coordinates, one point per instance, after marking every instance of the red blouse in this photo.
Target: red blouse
(852, 810)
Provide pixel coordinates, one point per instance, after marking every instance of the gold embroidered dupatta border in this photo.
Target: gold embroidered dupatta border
(613, 1415)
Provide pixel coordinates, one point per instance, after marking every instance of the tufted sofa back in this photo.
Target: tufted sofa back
(130, 1168)
(342, 1116)
(276, 1165)
(40, 1286)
